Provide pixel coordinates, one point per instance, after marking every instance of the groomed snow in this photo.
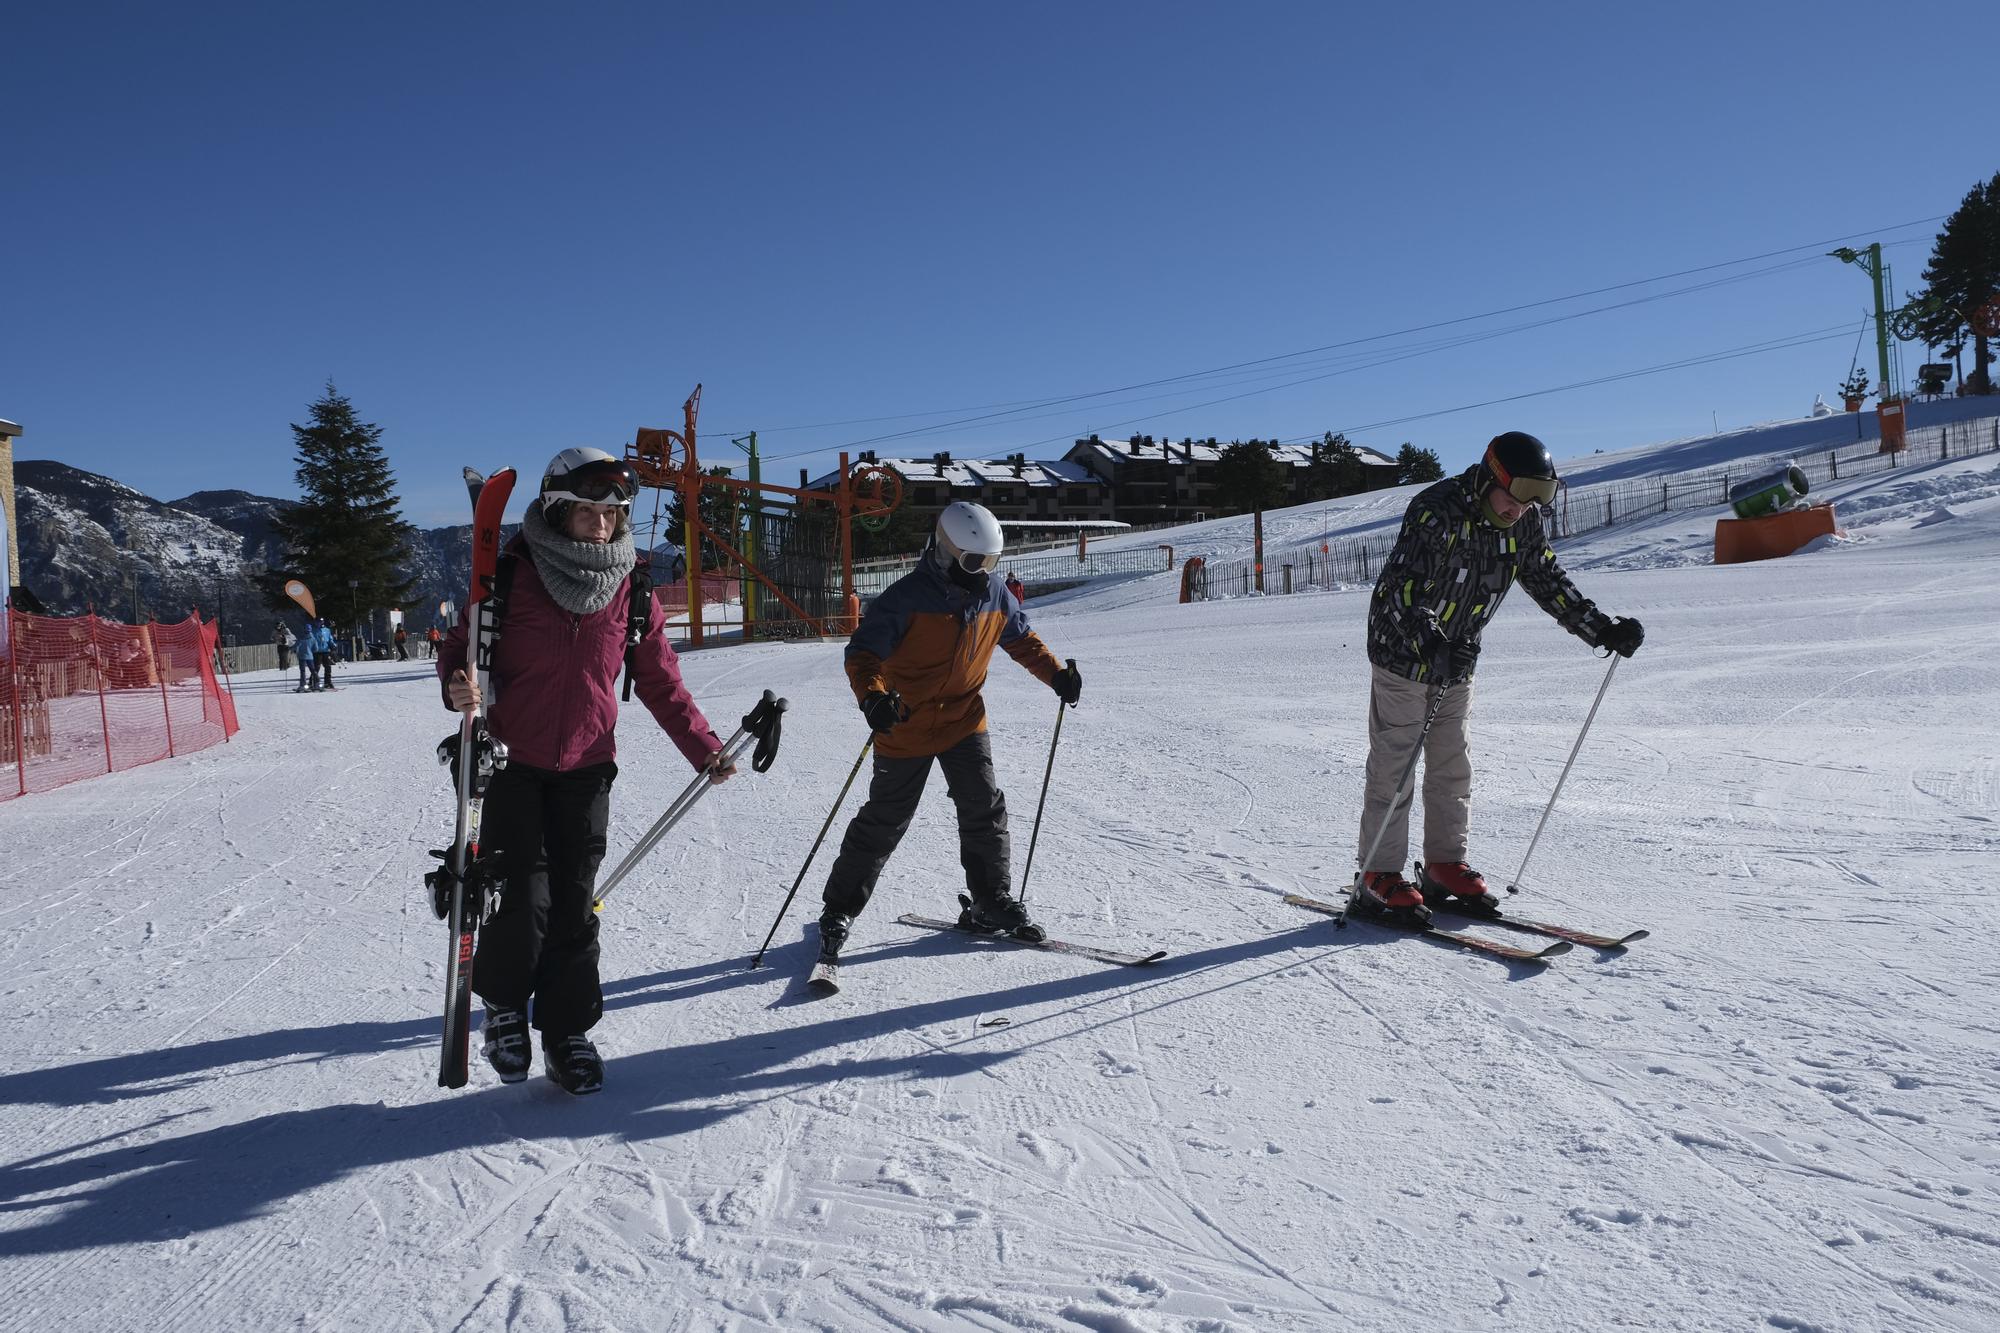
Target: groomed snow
(217, 1087)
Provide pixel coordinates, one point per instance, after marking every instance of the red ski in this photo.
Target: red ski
(478, 756)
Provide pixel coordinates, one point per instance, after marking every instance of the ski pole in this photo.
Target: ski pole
(1514, 886)
(1403, 789)
(859, 759)
(1061, 708)
(762, 727)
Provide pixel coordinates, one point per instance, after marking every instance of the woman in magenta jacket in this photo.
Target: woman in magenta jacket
(555, 681)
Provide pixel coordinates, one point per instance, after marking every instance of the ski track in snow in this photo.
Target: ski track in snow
(1779, 1111)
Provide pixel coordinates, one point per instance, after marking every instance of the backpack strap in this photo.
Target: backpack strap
(639, 610)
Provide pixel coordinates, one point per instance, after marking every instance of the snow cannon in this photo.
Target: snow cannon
(1768, 495)
(1772, 519)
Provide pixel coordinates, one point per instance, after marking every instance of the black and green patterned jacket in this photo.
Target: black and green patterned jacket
(1451, 568)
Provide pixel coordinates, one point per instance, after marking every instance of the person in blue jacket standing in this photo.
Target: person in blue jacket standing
(324, 651)
(308, 672)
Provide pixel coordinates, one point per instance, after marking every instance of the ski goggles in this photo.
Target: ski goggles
(976, 562)
(604, 485)
(1533, 490)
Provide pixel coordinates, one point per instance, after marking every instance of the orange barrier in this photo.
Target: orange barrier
(1773, 535)
(715, 590)
(81, 696)
(1190, 572)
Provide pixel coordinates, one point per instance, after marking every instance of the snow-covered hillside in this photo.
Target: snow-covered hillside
(1780, 1111)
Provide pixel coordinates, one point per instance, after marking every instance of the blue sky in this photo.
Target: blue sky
(505, 229)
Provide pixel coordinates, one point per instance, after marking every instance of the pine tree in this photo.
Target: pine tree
(1248, 478)
(1414, 464)
(721, 512)
(346, 537)
(1963, 277)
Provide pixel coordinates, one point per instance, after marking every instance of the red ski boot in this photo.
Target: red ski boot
(1454, 886)
(1388, 897)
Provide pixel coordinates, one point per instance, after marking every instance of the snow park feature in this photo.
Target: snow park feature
(218, 1096)
(1772, 518)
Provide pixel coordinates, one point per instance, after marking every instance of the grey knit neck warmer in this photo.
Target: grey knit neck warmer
(580, 576)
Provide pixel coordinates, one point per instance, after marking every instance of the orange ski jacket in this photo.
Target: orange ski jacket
(930, 641)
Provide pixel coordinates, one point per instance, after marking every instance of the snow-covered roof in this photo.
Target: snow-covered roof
(1298, 455)
(8, 428)
(975, 472)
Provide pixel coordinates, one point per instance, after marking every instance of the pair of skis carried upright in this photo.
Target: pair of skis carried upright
(459, 886)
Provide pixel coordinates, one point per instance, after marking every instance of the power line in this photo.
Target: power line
(1016, 408)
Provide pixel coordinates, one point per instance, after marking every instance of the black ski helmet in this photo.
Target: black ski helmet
(1519, 464)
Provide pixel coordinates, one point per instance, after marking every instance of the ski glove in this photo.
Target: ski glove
(883, 710)
(1623, 636)
(1068, 683)
(1453, 660)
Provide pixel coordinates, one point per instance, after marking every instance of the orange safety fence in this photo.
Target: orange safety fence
(82, 695)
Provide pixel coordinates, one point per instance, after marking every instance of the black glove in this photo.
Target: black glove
(1623, 636)
(1450, 660)
(1068, 683)
(883, 710)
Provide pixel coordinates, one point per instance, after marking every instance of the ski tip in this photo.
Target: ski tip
(1630, 936)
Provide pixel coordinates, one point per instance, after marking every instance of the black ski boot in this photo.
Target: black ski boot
(506, 1044)
(832, 935)
(573, 1064)
(1001, 914)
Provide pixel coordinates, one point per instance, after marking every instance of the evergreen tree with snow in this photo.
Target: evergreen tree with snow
(1962, 277)
(346, 538)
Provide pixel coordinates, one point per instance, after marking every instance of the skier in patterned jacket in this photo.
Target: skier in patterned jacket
(917, 664)
(1464, 542)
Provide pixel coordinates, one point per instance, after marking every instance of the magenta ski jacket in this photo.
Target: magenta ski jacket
(554, 690)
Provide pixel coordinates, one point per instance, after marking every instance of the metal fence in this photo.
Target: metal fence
(1036, 571)
(1351, 561)
(1588, 508)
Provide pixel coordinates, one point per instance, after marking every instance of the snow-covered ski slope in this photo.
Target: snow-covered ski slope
(217, 1082)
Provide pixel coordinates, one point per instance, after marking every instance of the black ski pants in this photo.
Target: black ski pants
(893, 794)
(542, 943)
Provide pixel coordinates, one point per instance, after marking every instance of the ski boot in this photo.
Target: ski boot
(572, 1064)
(506, 1043)
(1454, 886)
(1001, 914)
(1389, 898)
(832, 935)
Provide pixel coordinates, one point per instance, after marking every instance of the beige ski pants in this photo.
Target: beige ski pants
(1396, 710)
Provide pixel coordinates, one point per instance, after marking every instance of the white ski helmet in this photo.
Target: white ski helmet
(589, 475)
(969, 536)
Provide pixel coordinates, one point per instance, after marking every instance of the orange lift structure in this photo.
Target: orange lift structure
(668, 461)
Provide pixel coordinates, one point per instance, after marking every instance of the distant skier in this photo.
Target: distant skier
(1464, 542)
(917, 663)
(1017, 589)
(555, 682)
(325, 649)
(308, 669)
(281, 638)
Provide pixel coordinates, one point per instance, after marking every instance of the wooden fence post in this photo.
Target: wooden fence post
(166, 704)
(20, 705)
(103, 712)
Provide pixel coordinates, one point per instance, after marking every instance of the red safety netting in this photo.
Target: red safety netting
(716, 590)
(82, 696)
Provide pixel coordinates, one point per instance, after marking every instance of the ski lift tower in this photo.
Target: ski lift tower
(669, 461)
(1889, 406)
